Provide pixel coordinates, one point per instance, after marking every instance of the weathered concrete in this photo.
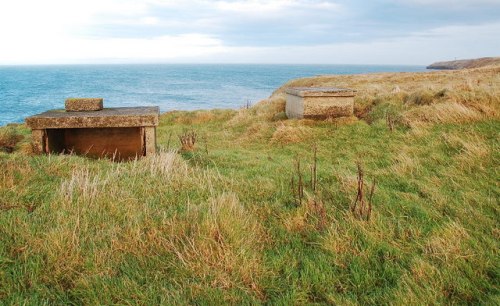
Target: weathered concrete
(118, 133)
(83, 104)
(149, 140)
(319, 102)
(38, 141)
(108, 117)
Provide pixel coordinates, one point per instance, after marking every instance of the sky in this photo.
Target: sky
(399, 32)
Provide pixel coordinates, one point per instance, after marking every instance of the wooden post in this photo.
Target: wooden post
(150, 140)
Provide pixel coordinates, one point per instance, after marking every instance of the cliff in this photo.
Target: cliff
(465, 64)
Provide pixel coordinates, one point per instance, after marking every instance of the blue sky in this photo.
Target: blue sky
(247, 31)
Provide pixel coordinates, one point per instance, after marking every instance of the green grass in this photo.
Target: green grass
(221, 225)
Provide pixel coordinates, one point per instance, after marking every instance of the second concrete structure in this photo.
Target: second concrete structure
(319, 102)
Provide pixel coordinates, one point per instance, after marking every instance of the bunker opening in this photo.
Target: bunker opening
(117, 143)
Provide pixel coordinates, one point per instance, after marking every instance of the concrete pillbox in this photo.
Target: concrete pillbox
(319, 102)
(122, 133)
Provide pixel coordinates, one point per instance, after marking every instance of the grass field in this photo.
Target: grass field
(261, 212)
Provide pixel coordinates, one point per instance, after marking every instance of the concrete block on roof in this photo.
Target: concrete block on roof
(83, 104)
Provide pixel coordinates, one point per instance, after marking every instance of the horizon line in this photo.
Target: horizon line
(204, 63)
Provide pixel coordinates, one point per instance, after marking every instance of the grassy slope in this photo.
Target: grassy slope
(222, 225)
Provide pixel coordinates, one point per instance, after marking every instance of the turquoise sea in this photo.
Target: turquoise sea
(27, 90)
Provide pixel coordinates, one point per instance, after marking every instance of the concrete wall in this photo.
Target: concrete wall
(294, 107)
(328, 107)
(319, 107)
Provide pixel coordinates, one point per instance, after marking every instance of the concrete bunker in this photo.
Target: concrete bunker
(319, 102)
(121, 133)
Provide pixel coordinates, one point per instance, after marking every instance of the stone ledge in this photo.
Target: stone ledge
(108, 117)
(321, 92)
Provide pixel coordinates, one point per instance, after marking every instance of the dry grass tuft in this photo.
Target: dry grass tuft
(164, 164)
(419, 130)
(340, 240)
(26, 148)
(342, 120)
(423, 271)
(63, 258)
(347, 180)
(270, 107)
(405, 164)
(257, 130)
(447, 112)
(296, 222)
(82, 185)
(485, 101)
(9, 138)
(196, 118)
(265, 111)
(471, 147)
(424, 97)
(286, 134)
(243, 117)
(9, 169)
(311, 216)
(449, 243)
(221, 243)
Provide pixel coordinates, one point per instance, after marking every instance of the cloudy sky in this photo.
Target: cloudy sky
(247, 31)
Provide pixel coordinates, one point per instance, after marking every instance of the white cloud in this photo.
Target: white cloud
(72, 50)
(450, 3)
(419, 48)
(150, 20)
(57, 31)
(256, 7)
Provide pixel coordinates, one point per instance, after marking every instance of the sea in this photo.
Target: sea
(28, 90)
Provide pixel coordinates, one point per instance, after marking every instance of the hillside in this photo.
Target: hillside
(261, 212)
(466, 64)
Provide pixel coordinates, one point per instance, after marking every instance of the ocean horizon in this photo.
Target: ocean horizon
(28, 90)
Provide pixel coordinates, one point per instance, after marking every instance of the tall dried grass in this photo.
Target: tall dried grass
(264, 111)
(108, 212)
(288, 134)
(472, 150)
(405, 164)
(221, 242)
(256, 131)
(201, 117)
(448, 112)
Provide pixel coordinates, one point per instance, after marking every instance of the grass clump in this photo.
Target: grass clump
(9, 138)
(420, 98)
(288, 134)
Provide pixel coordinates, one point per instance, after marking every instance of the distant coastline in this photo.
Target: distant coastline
(465, 64)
